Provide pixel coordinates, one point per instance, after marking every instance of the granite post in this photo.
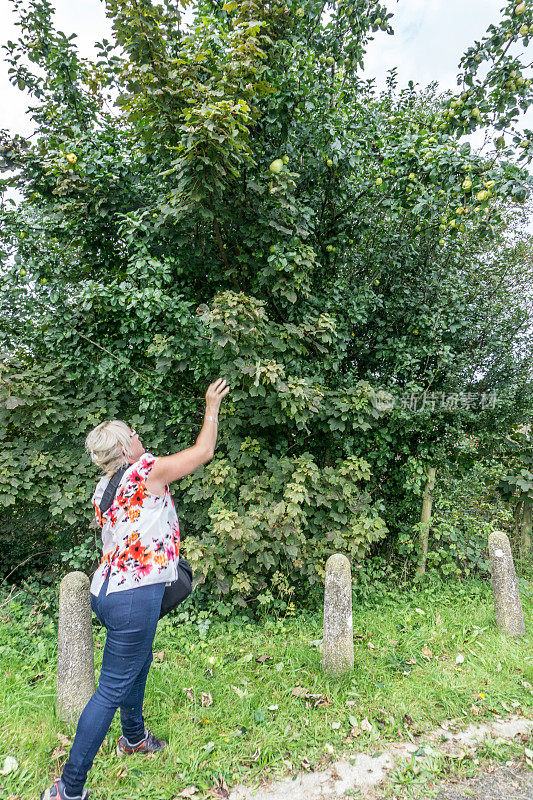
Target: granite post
(75, 657)
(337, 643)
(507, 605)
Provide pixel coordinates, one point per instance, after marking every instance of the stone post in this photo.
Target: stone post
(337, 644)
(507, 605)
(75, 657)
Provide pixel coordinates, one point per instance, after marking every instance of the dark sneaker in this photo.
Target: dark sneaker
(150, 744)
(57, 792)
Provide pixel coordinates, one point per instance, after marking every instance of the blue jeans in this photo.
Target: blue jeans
(130, 617)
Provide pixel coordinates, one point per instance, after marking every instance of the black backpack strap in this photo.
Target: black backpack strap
(111, 490)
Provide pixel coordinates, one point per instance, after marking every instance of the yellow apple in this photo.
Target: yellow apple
(276, 166)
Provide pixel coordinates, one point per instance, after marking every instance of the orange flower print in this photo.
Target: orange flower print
(132, 513)
(121, 564)
(137, 498)
(136, 551)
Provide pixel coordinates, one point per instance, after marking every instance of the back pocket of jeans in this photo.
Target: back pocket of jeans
(116, 609)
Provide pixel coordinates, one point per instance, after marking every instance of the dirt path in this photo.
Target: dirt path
(365, 775)
(505, 783)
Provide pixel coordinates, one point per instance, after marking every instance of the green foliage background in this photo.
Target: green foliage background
(384, 259)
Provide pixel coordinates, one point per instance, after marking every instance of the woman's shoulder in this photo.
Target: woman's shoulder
(143, 465)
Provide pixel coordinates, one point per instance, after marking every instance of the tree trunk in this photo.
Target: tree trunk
(424, 522)
(525, 538)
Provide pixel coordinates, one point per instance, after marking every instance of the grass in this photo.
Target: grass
(406, 680)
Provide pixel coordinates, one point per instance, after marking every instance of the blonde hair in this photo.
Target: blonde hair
(106, 444)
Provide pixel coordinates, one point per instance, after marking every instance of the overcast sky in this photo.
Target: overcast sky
(430, 37)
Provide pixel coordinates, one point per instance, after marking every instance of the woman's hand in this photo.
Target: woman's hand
(215, 394)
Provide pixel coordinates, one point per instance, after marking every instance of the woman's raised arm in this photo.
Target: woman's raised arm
(172, 468)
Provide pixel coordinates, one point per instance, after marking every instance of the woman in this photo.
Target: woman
(140, 535)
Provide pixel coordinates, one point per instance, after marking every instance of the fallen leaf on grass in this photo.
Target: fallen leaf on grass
(319, 700)
(189, 792)
(410, 661)
(189, 692)
(305, 764)
(370, 645)
(354, 733)
(10, 765)
(262, 659)
(207, 700)
(219, 788)
(335, 725)
(366, 725)
(65, 741)
(239, 692)
(246, 658)
(426, 652)
(58, 752)
(159, 656)
(300, 691)
(316, 699)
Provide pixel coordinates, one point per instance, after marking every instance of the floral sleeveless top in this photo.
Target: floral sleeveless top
(140, 533)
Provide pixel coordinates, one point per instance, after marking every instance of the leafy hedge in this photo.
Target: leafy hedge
(233, 200)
